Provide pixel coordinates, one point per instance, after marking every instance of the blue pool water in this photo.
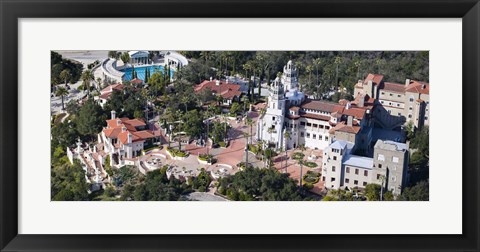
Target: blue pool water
(140, 70)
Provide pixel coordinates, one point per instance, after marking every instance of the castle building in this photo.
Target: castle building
(291, 120)
(400, 103)
(124, 138)
(388, 167)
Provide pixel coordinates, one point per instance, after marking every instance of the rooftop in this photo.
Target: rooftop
(358, 161)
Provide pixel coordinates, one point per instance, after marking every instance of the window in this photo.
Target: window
(332, 179)
(309, 124)
(355, 182)
(327, 127)
(326, 138)
(379, 165)
(426, 118)
(378, 176)
(273, 118)
(356, 171)
(394, 178)
(391, 94)
(323, 178)
(410, 108)
(383, 92)
(333, 168)
(321, 126)
(364, 183)
(308, 135)
(301, 134)
(315, 125)
(411, 99)
(335, 150)
(334, 157)
(381, 102)
(347, 170)
(390, 112)
(302, 123)
(398, 95)
(398, 104)
(381, 157)
(319, 137)
(347, 180)
(395, 159)
(314, 136)
(365, 173)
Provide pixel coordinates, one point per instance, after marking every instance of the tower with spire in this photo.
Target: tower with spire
(270, 127)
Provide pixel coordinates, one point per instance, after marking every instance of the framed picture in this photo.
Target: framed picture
(223, 125)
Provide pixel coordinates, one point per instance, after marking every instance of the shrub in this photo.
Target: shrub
(308, 186)
(223, 144)
(205, 157)
(298, 155)
(177, 153)
(311, 164)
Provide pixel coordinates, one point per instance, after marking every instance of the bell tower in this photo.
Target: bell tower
(289, 77)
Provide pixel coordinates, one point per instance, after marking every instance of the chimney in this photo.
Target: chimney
(424, 86)
(217, 82)
(112, 113)
(360, 82)
(211, 78)
(361, 101)
(349, 121)
(129, 139)
(124, 128)
(407, 82)
(119, 121)
(226, 81)
(348, 106)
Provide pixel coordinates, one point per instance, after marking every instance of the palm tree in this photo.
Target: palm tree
(244, 100)
(250, 124)
(316, 63)
(338, 61)
(185, 100)
(87, 77)
(246, 149)
(65, 75)
(286, 137)
(125, 58)
(61, 91)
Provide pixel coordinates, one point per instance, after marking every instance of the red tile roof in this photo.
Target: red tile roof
(112, 87)
(315, 116)
(136, 81)
(342, 127)
(226, 90)
(319, 105)
(394, 87)
(418, 87)
(375, 78)
(294, 108)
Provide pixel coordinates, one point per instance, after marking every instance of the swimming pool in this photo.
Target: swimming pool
(140, 70)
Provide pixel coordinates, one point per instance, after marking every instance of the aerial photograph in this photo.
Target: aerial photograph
(173, 125)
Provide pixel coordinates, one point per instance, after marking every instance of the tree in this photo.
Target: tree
(235, 108)
(125, 58)
(114, 54)
(259, 184)
(418, 192)
(286, 137)
(65, 75)
(87, 77)
(62, 92)
(68, 183)
(372, 192)
(90, 119)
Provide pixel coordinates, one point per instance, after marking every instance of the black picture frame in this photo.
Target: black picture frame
(11, 11)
